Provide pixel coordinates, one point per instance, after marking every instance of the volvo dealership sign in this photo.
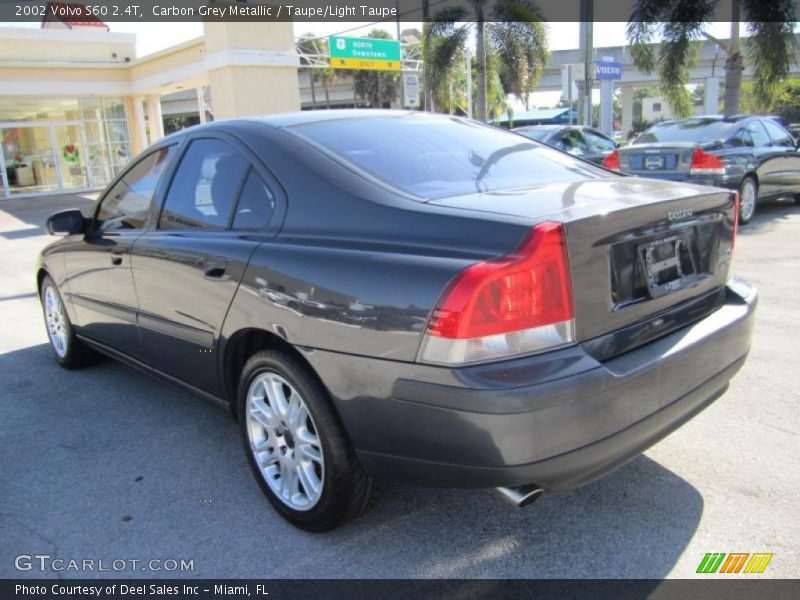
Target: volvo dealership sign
(608, 70)
(364, 53)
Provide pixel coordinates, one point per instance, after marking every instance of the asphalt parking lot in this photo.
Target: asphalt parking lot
(107, 463)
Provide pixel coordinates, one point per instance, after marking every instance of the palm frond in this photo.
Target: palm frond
(521, 53)
(678, 54)
(641, 29)
(680, 24)
(515, 11)
(445, 20)
(771, 43)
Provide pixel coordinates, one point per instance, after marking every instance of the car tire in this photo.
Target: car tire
(68, 350)
(748, 199)
(296, 445)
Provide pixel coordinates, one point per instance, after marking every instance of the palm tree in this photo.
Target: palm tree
(309, 44)
(515, 35)
(769, 48)
(377, 87)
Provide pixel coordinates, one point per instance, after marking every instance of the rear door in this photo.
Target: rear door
(187, 268)
(780, 174)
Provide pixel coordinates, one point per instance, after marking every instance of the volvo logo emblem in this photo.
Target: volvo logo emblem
(674, 215)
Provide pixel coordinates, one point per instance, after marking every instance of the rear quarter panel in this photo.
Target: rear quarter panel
(356, 267)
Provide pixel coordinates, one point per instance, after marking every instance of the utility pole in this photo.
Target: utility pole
(402, 73)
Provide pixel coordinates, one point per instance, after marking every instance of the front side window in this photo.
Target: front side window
(205, 186)
(436, 157)
(126, 205)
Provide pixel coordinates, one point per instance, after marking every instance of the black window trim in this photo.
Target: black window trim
(281, 199)
(144, 155)
(757, 123)
(252, 170)
(774, 142)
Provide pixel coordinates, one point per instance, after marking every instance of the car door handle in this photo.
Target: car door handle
(116, 257)
(216, 273)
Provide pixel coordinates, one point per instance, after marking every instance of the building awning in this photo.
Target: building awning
(71, 14)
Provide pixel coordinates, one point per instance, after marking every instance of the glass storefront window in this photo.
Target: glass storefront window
(107, 133)
(29, 160)
(30, 109)
(76, 143)
(113, 109)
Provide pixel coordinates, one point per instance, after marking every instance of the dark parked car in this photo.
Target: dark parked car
(583, 142)
(405, 296)
(754, 155)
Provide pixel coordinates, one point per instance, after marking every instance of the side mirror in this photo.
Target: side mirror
(66, 222)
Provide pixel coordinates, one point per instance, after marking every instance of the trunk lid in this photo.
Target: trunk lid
(637, 247)
(667, 158)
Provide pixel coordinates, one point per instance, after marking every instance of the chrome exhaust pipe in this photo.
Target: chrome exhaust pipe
(523, 495)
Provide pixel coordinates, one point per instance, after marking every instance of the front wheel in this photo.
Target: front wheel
(296, 445)
(748, 198)
(68, 350)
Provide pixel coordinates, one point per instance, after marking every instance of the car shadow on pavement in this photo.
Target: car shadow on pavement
(768, 215)
(108, 462)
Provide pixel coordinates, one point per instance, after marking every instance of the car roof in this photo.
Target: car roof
(317, 116)
(548, 127)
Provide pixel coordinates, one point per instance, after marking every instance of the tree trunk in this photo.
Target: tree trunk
(313, 91)
(427, 86)
(480, 64)
(734, 64)
(327, 94)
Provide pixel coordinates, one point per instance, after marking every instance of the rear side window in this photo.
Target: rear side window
(256, 204)
(757, 134)
(572, 141)
(127, 203)
(778, 135)
(205, 186)
(436, 157)
(597, 143)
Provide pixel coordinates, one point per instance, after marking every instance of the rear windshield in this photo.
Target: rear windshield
(436, 157)
(688, 130)
(535, 134)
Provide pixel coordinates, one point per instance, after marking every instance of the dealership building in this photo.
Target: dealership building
(76, 103)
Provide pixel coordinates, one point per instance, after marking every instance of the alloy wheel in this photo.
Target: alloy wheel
(56, 321)
(284, 441)
(747, 200)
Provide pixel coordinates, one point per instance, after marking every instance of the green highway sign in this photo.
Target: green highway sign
(364, 53)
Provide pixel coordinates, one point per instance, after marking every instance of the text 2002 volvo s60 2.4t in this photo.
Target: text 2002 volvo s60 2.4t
(406, 296)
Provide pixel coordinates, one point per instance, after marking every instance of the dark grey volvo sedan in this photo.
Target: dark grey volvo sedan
(404, 296)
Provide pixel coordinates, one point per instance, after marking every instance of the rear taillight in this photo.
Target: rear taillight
(518, 304)
(704, 163)
(611, 161)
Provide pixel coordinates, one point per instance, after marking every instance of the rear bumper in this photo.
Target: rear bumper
(559, 420)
